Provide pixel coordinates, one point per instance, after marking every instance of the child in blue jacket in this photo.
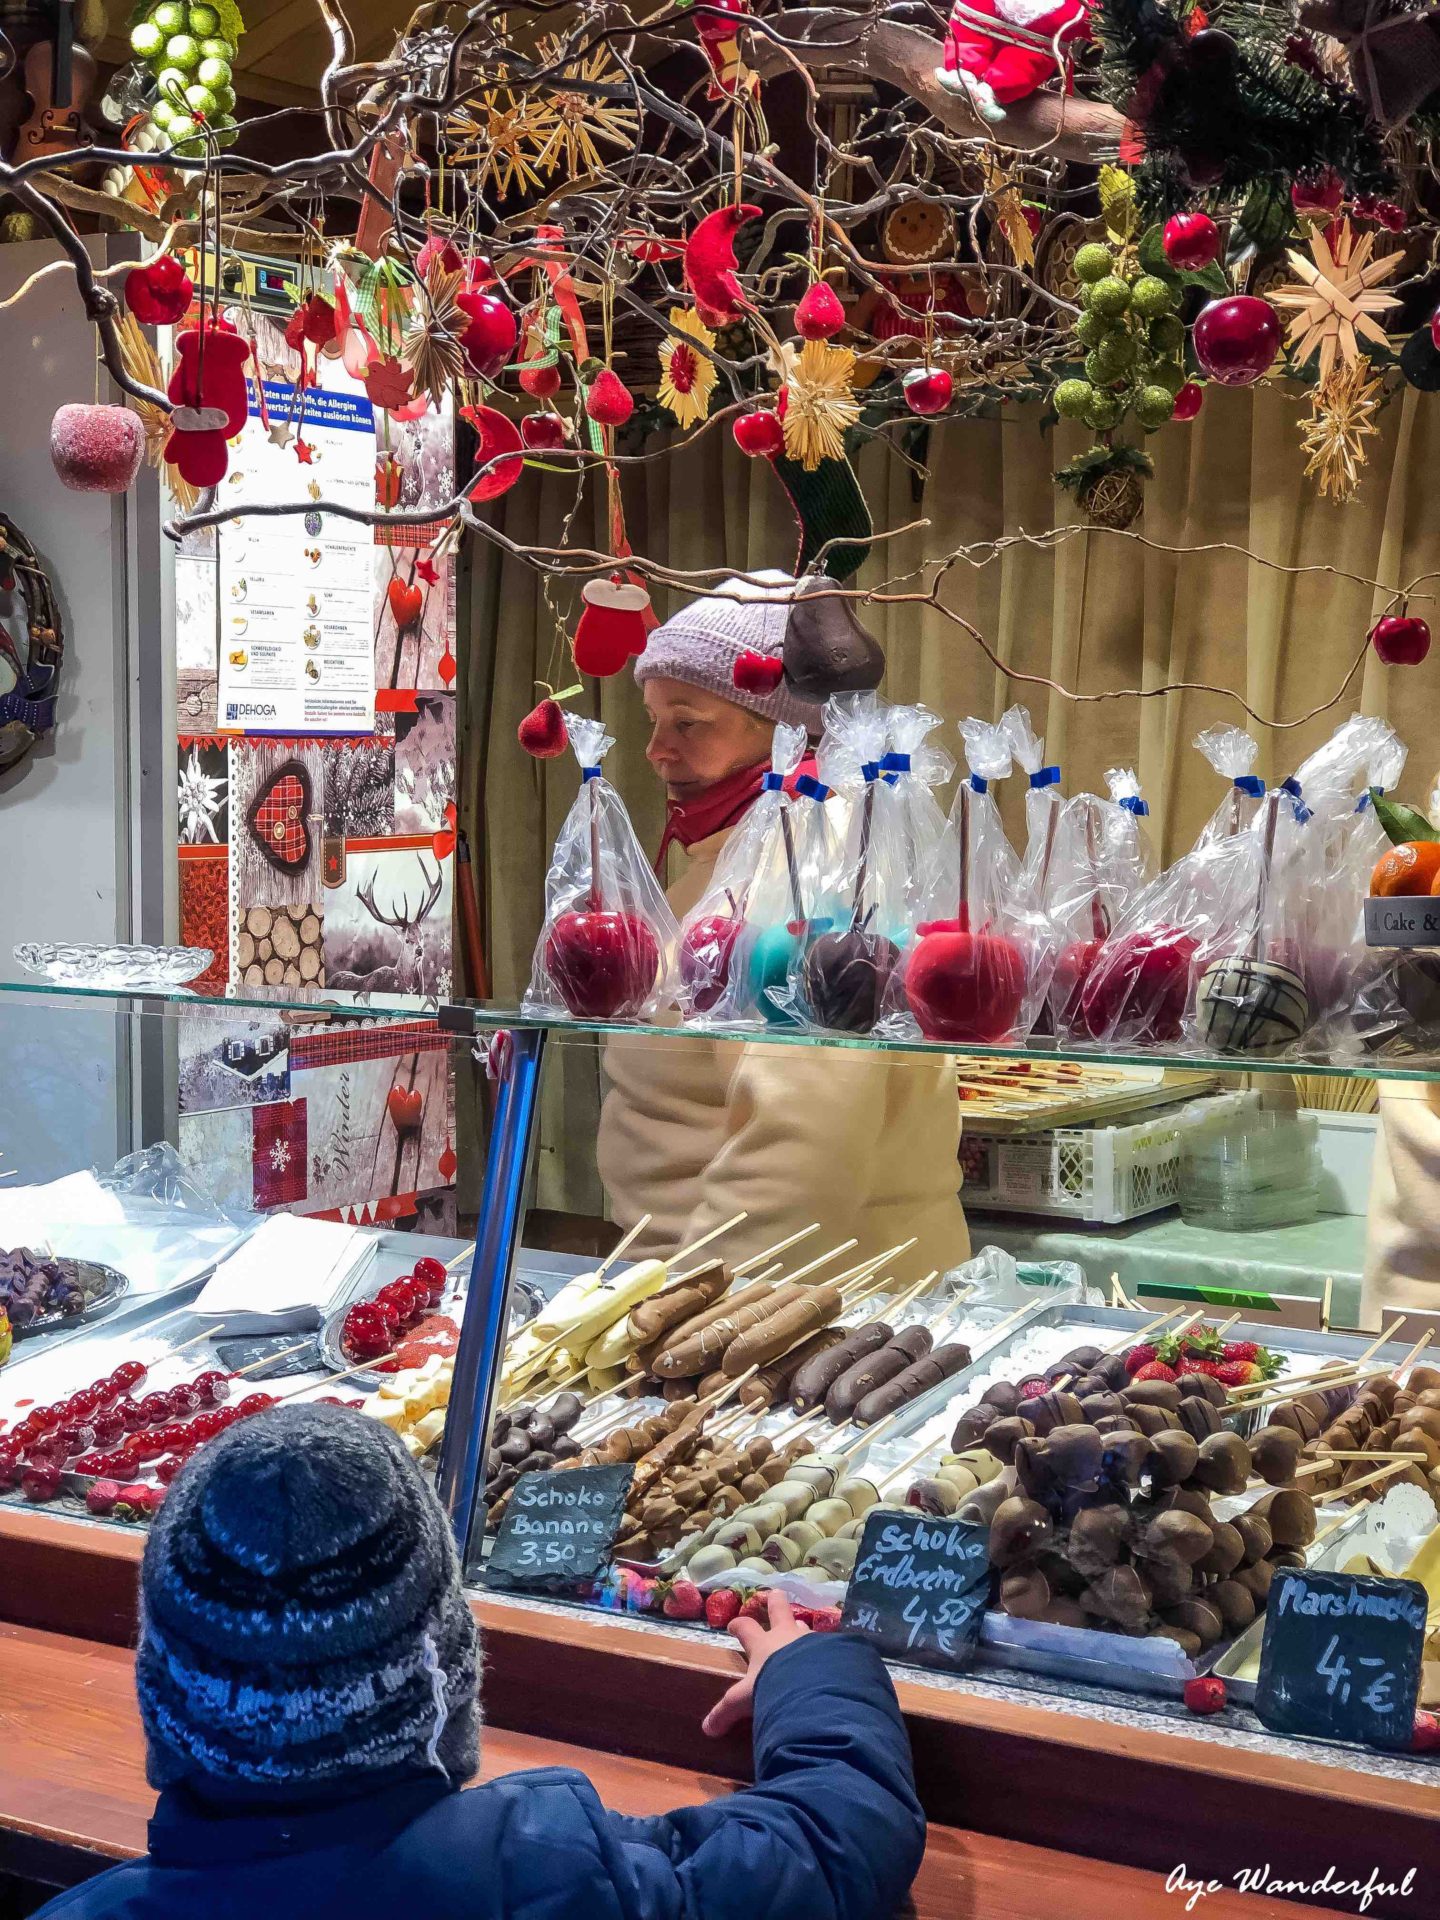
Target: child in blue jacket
(307, 1677)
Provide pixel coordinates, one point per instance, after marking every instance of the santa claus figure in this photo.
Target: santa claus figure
(998, 51)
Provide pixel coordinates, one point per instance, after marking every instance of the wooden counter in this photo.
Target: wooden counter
(73, 1799)
(1126, 1790)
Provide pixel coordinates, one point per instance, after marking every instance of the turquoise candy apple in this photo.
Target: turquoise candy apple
(773, 951)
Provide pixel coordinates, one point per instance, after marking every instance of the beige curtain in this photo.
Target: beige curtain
(1094, 611)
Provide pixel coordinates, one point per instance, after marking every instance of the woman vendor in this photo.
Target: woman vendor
(693, 1131)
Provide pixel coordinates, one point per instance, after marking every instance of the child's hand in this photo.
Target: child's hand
(759, 1643)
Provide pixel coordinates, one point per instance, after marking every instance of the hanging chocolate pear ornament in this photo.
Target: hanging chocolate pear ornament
(826, 649)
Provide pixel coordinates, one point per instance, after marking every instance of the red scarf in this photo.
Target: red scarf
(719, 806)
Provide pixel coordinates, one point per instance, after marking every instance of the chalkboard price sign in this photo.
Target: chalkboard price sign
(1341, 1657)
(920, 1587)
(559, 1530)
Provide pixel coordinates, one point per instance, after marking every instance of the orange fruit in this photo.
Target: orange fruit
(1412, 867)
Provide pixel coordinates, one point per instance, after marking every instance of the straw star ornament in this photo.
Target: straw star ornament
(687, 377)
(1336, 304)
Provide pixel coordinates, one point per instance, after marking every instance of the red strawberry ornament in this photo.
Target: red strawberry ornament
(160, 292)
(819, 314)
(608, 401)
(542, 732)
(759, 673)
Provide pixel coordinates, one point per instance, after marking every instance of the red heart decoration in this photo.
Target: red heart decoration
(279, 818)
(405, 1107)
(406, 601)
(757, 672)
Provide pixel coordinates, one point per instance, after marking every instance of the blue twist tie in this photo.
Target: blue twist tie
(1046, 777)
(812, 788)
(773, 782)
(1252, 784)
(896, 763)
(871, 769)
(1292, 787)
(1132, 803)
(976, 784)
(1363, 802)
(589, 773)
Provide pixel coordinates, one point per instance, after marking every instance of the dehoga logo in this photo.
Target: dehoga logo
(248, 710)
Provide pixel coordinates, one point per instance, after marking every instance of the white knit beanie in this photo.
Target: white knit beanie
(701, 644)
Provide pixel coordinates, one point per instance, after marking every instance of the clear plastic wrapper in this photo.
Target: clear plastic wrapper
(608, 945)
(793, 902)
(979, 968)
(1043, 802)
(1100, 861)
(751, 890)
(878, 760)
(1368, 997)
(1232, 753)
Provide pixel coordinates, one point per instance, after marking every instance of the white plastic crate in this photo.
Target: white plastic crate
(1101, 1174)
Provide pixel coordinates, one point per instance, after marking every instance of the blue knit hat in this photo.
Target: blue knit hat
(302, 1622)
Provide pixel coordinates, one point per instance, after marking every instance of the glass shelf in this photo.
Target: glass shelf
(486, 1017)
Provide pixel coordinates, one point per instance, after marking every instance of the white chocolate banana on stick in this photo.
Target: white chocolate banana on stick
(578, 1314)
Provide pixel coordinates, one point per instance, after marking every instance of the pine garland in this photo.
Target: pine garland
(1226, 112)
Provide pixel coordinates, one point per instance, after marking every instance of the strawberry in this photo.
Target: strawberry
(102, 1496)
(1246, 1352)
(1034, 1388)
(757, 1607)
(721, 1607)
(1205, 1693)
(542, 731)
(1188, 1365)
(1426, 1737)
(757, 672)
(1156, 1370)
(825, 1620)
(1140, 1356)
(1241, 1350)
(684, 1602)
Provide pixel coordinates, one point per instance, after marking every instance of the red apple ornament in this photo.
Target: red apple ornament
(539, 380)
(927, 390)
(757, 672)
(490, 333)
(760, 434)
(160, 292)
(1138, 990)
(1236, 340)
(1400, 640)
(603, 964)
(1190, 241)
(542, 432)
(964, 988)
(819, 314)
(96, 449)
(1188, 401)
(705, 954)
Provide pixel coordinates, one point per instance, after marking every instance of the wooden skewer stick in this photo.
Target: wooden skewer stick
(466, 1253)
(193, 1341)
(868, 1435)
(820, 1260)
(1225, 1325)
(314, 1386)
(781, 1246)
(992, 1334)
(732, 1387)
(1404, 1366)
(1325, 1300)
(255, 1366)
(1327, 1463)
(1369, 1479)
(1142, 1333)
(1295, 1389)
(905, 1465)
(683, 1253)
(621, 1245)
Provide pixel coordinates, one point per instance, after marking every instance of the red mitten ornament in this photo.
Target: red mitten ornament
(211, 402)
(612, 626)
(995, 66)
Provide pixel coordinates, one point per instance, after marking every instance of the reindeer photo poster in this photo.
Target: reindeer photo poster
(387, 929)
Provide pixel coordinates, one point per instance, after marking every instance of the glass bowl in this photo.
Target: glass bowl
(75, 964)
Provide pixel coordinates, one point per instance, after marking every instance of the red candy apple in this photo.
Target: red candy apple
(1400, 640)
(1236, 340)
(705, 955)
(1072, 970)
(603, 964)
(962, 987)
(928, 390)
(1137, 992)
(1191, 241)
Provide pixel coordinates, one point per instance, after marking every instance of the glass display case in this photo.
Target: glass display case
(200, 1275)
